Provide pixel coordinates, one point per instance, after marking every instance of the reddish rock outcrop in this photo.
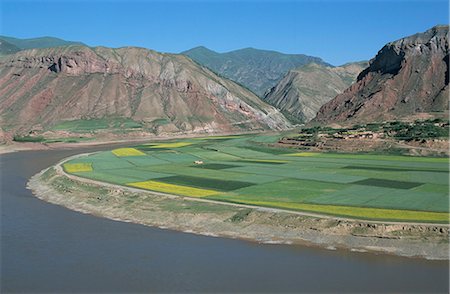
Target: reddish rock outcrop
(41, 87)
(408, 78)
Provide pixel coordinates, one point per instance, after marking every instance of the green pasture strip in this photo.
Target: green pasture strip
(212, 174)
(205, 183)
(111, 164)
(262, 161)
(67, 140)
(349, 211)
(240, 152)
(165, 145)
(312, 166)
(376, 157)
(215, 166)
(161, 121)
(103, 160)
(218, 137)
(433, 188)
(387, 183)
(298, 174)
(385, 168)
(287, 190)
(378, 197)
(144, 160)
(265, 138)
(106, 177)
(240, 141)
(149, 149)
(269, 150)
(176, 142)
(205, 154)
(137, 175)
(407, 176)
(175, 157)
(366, 162)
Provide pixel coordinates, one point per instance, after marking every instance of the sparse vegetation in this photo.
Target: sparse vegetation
(240, 216)
(91, 125)
(395, 137)
(28, 138)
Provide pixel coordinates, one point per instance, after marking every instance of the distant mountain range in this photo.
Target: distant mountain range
(7, 48)
(258, 70)
(407, 79)
(166, 93)
(33, 43)
(48, 81)
(301, 93)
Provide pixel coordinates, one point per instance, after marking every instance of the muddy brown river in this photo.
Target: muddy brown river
(48, 248)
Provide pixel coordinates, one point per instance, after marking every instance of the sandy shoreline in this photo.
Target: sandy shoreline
(238, 221)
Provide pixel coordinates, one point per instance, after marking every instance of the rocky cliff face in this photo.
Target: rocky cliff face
(257, 70)
(41, 87)
(302, 92)
(408, 78)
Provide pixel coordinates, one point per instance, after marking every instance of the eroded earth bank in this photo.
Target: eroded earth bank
(266, 225)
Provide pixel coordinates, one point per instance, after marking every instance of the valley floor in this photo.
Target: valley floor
(265, 225)
(240, 187)
(244, 169)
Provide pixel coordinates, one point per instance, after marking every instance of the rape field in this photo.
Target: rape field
(247, 170)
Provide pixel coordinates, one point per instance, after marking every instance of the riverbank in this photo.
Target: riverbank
(12, 146)
(238, 221)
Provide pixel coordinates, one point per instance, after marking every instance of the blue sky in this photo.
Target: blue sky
(337, 31)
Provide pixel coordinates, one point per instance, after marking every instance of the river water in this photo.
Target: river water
(48, 248)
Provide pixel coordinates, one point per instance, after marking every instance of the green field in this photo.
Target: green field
(87, 125)
(245, 169)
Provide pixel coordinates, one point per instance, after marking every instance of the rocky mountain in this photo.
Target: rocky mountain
(301, 93)
(42, 42)
(258, 70)
(407, 79)
(7, 48)
(40, 88)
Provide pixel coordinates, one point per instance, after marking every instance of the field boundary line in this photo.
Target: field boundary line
(60, 170)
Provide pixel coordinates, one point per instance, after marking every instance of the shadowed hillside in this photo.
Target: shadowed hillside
(258, 70)
(302, 92)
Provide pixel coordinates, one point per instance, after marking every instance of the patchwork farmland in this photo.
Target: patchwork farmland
(245, 170)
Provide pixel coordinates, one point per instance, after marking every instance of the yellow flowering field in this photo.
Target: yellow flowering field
(77, 167)
(173, 189)
(127, 152)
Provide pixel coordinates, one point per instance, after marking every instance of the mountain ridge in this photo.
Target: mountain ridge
(38, 42)
(407, 79)
(303, 90)
(256, 69)
(41, 87)
(7, 48)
